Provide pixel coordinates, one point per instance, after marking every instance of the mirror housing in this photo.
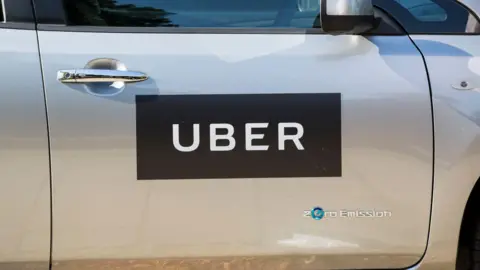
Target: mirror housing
(347, 16)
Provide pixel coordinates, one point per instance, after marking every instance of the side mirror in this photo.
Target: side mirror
(347, 16)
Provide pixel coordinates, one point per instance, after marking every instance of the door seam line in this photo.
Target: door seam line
(49, 148)
(432, 112)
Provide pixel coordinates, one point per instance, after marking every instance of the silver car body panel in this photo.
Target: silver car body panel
(452, 60)
(24, 160)
(100, 210)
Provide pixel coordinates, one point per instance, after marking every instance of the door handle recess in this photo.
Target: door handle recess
(100, 75)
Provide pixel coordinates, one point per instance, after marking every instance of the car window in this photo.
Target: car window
(439, 17)
(415, 16)
(424, 10)
(191, 13)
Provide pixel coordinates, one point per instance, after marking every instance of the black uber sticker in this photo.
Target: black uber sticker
(238, 136)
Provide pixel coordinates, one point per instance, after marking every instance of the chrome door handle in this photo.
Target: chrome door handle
(100, 75)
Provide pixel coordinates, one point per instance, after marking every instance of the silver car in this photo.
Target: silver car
(240, 134)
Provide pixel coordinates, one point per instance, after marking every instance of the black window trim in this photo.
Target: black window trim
(50, 17)
(2, 11)
(17, 26)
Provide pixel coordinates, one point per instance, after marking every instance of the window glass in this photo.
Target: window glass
(431, 16)
(193, 13)
(415, 16)
(424, 10)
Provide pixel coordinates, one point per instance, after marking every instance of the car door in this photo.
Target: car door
(452, 41)
(238, 122)
(24, 154)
